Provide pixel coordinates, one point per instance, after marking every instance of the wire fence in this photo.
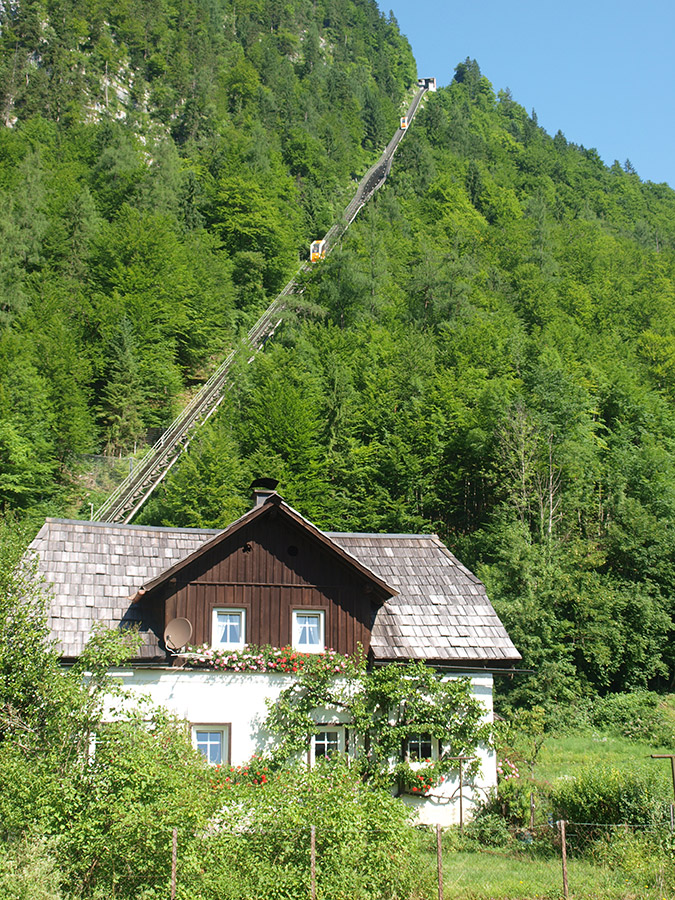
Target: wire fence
(248, 861)
(593, 861)
(578, 860)
(99, 473)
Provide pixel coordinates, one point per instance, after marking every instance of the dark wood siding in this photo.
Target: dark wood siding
(269, 568)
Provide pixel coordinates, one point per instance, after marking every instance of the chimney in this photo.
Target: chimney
(263, 489)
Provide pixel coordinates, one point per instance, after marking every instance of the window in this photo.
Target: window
(228, 628)
(327, 741)
(309, 631)
(420, 746)
(213, 742)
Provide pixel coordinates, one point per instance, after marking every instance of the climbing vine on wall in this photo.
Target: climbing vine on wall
(383, 707)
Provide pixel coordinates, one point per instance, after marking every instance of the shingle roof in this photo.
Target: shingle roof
(441, 611)
(95, 568)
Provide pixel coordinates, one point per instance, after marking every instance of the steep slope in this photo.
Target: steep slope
(162, 166)
(494, 363)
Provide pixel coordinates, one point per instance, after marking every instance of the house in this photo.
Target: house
(271, 578)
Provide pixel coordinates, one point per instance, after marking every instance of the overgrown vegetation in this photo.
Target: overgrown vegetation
(261, 845)
(93, 788)
(384, 707)
(614, 799)
(89, 805)
(581, 767)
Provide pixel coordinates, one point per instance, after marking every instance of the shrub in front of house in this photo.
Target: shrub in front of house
(488, 830)
(258, 845)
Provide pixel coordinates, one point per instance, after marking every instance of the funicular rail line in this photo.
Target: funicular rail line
(123, 504)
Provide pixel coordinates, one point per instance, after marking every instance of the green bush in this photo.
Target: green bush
(512, 801)
(488, 830)
(639, 716)
(27, 870)
(608, 796)
(258, 846)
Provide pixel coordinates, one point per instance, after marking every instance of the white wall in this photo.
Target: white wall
(237, 699)
(205, 697)
(441, 805)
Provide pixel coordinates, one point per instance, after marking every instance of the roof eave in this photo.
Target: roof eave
(503, 666)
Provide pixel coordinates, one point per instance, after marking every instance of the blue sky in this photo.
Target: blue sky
(603, 73)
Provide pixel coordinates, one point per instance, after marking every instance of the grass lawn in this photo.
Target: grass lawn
(504, 875)
(624, 869)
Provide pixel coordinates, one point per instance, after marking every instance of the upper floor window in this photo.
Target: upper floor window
(419, 746)
(228, 628)
(309, 630)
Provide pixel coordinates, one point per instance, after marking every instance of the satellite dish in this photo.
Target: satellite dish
(177, 633)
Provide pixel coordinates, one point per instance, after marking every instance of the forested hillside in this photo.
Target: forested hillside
(489, 353)
(162, 165)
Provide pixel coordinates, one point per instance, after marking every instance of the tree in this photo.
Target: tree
(249, 220)
(28, 666)
(27, 457)
(343, 287)
(208, 487)
(92, 792)
(123, 395)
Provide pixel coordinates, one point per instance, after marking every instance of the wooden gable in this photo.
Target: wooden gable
(270, 564)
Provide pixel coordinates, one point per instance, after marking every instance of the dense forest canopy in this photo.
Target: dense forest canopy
(489, 353)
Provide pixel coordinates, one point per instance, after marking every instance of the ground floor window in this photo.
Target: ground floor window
(329, 740)
(419, 746)
(213, 742)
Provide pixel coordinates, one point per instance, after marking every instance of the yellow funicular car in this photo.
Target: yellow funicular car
(317, 251)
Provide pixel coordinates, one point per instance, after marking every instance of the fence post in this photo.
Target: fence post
(672, 816)
(461, 760)
(312, 854)
(563, 845)
(174, 861)
(531, 810)
(439, 861)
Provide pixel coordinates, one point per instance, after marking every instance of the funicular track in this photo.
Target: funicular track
(123, 504)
